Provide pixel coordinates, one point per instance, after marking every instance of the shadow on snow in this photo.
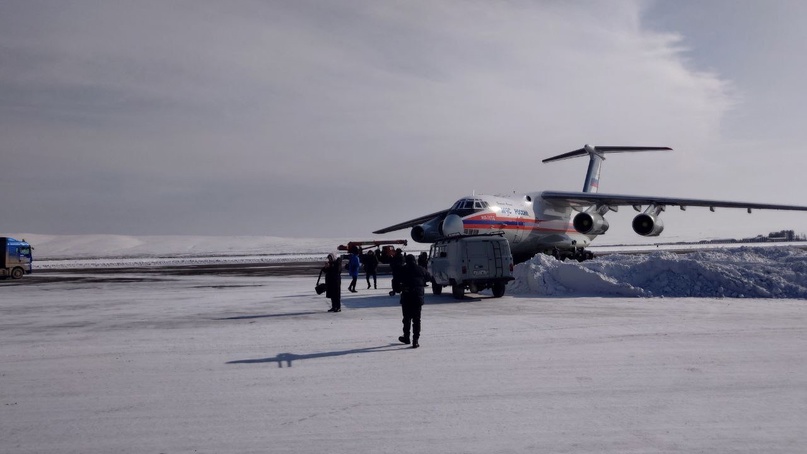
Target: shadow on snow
(288, 358)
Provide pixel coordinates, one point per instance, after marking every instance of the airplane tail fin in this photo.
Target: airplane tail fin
(596, 157)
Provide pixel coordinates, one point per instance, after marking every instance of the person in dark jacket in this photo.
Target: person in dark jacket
(396, 264)
(370, 268)
(413, 280)
(423, 260)
(333, 282)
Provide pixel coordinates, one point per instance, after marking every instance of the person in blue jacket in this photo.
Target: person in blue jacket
(353, 265)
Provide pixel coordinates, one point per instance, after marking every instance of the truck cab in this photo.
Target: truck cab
(471, 262)
(15, 258)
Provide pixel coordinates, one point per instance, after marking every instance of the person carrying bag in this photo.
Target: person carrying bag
(320, 288)
(333, 282)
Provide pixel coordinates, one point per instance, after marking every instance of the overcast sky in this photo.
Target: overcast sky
(334, 119)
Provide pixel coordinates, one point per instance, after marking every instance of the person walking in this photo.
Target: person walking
(353, 265)
(396, 264)
(413, 281)
(370, 267)
(333, 282)
(423, 260)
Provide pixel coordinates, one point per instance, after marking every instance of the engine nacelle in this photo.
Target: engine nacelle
(590, 223)
(452, 225)
(428, 232)
(647, 225)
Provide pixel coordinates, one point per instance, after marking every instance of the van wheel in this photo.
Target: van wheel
(458, 291)
(17, 273)
(498, 289)
(437, 288)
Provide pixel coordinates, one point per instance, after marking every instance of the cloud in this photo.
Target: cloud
(400, 107)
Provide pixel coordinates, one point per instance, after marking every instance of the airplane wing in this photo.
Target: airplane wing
(411, 222)
(586, 199)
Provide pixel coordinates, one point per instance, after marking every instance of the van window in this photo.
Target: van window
(439, 250)
(478, 249)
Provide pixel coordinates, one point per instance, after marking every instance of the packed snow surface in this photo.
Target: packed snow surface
(575, 358)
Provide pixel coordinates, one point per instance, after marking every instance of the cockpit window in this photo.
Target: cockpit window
(465, 207)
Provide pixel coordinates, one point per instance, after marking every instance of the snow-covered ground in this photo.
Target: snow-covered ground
(578, 358)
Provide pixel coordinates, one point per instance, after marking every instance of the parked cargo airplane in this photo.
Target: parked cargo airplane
(560, 223)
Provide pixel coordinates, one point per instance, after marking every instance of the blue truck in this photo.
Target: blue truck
(15, 258)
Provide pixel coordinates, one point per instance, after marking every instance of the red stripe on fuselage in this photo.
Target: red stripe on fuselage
(489, 221)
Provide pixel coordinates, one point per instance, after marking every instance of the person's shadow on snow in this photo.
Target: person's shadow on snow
(288, 358)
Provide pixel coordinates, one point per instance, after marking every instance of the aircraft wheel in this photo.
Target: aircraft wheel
(437, 288)
(498, 289)
(458, 291)
(17, 273)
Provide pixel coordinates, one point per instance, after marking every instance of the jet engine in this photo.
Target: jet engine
(428, 232)
(647, 224)
(590, 223)
(452, 225)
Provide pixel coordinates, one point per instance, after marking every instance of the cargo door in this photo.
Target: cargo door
(480, 259)
(519, 230)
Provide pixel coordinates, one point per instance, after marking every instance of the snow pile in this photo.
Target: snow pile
(739, 273)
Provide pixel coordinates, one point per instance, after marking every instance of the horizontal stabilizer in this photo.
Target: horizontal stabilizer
(589, 150)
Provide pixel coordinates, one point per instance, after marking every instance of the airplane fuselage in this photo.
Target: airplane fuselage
(528, 222)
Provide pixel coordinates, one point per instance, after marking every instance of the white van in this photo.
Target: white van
(475, 263)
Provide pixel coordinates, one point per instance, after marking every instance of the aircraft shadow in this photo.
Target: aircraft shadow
(381, 300)
(365, 302)
(449, 299)
(288, 358)
(385, 300)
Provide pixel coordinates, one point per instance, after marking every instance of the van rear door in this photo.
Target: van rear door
(480, 259)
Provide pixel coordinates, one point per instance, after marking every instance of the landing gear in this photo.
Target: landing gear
(580, 254)
(583, 255)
